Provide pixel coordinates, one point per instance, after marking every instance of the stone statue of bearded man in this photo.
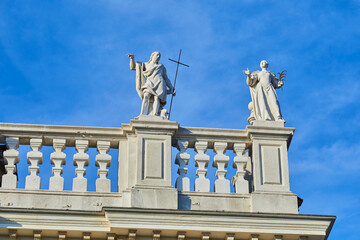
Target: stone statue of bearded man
(154, 91)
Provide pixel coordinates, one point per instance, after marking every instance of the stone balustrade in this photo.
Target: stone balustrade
(64, 140)
(59, 137)
(219, 141)
(232, 170)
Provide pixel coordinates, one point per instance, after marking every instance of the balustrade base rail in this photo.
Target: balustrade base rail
(45, 199)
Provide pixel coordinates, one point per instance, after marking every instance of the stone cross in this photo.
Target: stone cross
(177, 68)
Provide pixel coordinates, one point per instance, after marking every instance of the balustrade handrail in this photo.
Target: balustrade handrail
(211, 135)
(71, 133)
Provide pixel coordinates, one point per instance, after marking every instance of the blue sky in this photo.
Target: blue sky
(64, 62)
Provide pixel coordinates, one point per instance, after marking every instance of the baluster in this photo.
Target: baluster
(35, 157)
(81, 159)
(58, 158)
(11, 156)
(202, 184)
(2, 161)
(241, 185)
(221, 161)
(182, 159)
(103, 160)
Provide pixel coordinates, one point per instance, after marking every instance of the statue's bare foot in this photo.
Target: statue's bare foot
(281, 119)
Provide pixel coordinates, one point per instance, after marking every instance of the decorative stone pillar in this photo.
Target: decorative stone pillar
(205, 236)
(156, 234)
(12, 234)
(241, 185)
(11, 156)
(103, 160)
(86, 235)
(35, 157)
(132, 234)
(270, 171)
(182, 159)
(81, 159)
(37, 235)
(202, 184)
(221, 161)
(111, 236)
(181, 235)
(254, 237)
(230, 236)
(58, 158)
(62, 235)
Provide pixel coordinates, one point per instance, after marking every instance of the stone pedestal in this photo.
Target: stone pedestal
(145, 160)
(270, 142)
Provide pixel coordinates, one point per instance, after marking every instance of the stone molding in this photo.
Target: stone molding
(120, 221)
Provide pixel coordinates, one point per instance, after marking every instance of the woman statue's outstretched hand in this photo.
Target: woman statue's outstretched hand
(246, 72)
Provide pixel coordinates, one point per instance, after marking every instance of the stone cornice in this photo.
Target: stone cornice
(220, 222)
(120, 220)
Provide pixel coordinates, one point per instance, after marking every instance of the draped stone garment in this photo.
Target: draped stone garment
(264, 97)
(156, 80)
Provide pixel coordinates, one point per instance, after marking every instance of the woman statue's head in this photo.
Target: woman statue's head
(264, 64)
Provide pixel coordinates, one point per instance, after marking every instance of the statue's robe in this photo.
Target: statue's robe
(156, 81)
(265, 101)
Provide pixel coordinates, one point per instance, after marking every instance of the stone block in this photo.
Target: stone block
(147, 197)
(274, 203)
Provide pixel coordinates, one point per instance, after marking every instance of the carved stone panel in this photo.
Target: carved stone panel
(270, 161)
(270, 165)
(153, 159)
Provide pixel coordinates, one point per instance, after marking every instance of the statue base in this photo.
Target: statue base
(263, 123)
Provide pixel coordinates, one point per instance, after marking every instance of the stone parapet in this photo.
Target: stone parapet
(260, 182)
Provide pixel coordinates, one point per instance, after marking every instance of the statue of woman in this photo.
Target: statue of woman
(154, 91)
(265, 104)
